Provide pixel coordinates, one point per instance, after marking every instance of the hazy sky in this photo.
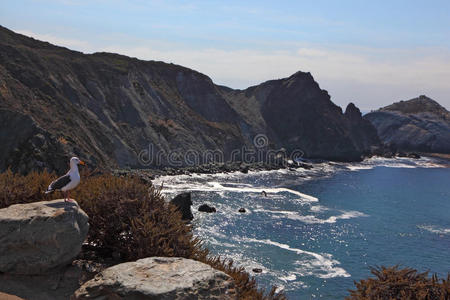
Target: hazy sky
(368, 52)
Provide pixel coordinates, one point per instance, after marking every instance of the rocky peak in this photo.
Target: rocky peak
(352, 112)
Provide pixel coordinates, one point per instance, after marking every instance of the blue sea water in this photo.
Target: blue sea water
(319, 230)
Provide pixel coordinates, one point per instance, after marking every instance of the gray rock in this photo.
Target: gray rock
(159, 278)
(39, 237)
(55, 286)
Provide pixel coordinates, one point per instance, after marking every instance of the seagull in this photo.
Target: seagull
(67, 182)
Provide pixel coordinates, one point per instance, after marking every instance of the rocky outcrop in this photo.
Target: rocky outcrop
(117, 111)
(419, 124)
(40, 237)
(297, 115)
(183, 202)
(159, 278)
(362, 132)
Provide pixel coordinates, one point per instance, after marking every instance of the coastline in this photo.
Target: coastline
(287, 215)
(147, 175)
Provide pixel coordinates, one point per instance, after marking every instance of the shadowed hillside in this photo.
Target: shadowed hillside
(107, 108)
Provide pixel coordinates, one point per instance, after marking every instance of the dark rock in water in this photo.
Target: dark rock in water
(257, 270)
(242, 210)
(413, 155)
(206, 208)
(183, 202)
(402, 154)
(244, 169)
(419, 124)
(409, 155)
(305, 166)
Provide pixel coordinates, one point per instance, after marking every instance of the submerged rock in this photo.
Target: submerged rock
(257, 270)
(183, 202)
(159, 278)
(38, 237)
(206, 208)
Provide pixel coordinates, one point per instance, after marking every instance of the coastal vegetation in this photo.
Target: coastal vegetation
(401, 283)
(129, 220)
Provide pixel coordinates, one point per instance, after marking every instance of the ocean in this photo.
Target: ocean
(319, 230)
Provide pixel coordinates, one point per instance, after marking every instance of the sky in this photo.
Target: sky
(371, 53)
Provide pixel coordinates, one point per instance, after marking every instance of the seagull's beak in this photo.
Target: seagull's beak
(82, 163)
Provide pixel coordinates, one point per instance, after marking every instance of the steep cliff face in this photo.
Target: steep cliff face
(296, 114)
(117, 111)
(419, 124)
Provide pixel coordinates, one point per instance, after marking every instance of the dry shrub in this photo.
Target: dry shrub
(16, 188)
(396, 283)
(130, 219)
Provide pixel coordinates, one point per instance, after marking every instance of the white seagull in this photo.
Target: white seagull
(67, 182)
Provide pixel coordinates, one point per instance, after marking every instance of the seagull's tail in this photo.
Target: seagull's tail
(49, 191)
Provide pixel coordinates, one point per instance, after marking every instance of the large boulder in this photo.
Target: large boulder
(183, 202)
(159, 278)
(39, 237)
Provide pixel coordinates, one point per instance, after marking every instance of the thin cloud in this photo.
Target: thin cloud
(362, 71)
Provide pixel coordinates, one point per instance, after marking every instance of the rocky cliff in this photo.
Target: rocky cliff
(117, 111)
(296, 114)
(419, 124)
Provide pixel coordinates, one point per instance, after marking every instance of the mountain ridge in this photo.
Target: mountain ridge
(108, 108)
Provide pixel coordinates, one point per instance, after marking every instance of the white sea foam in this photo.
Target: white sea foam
(359, 167)
(398, 162)
(311, 219)
(178, 185)
(323, 266)
(290, 277)
(318, 208)
(435, 229)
